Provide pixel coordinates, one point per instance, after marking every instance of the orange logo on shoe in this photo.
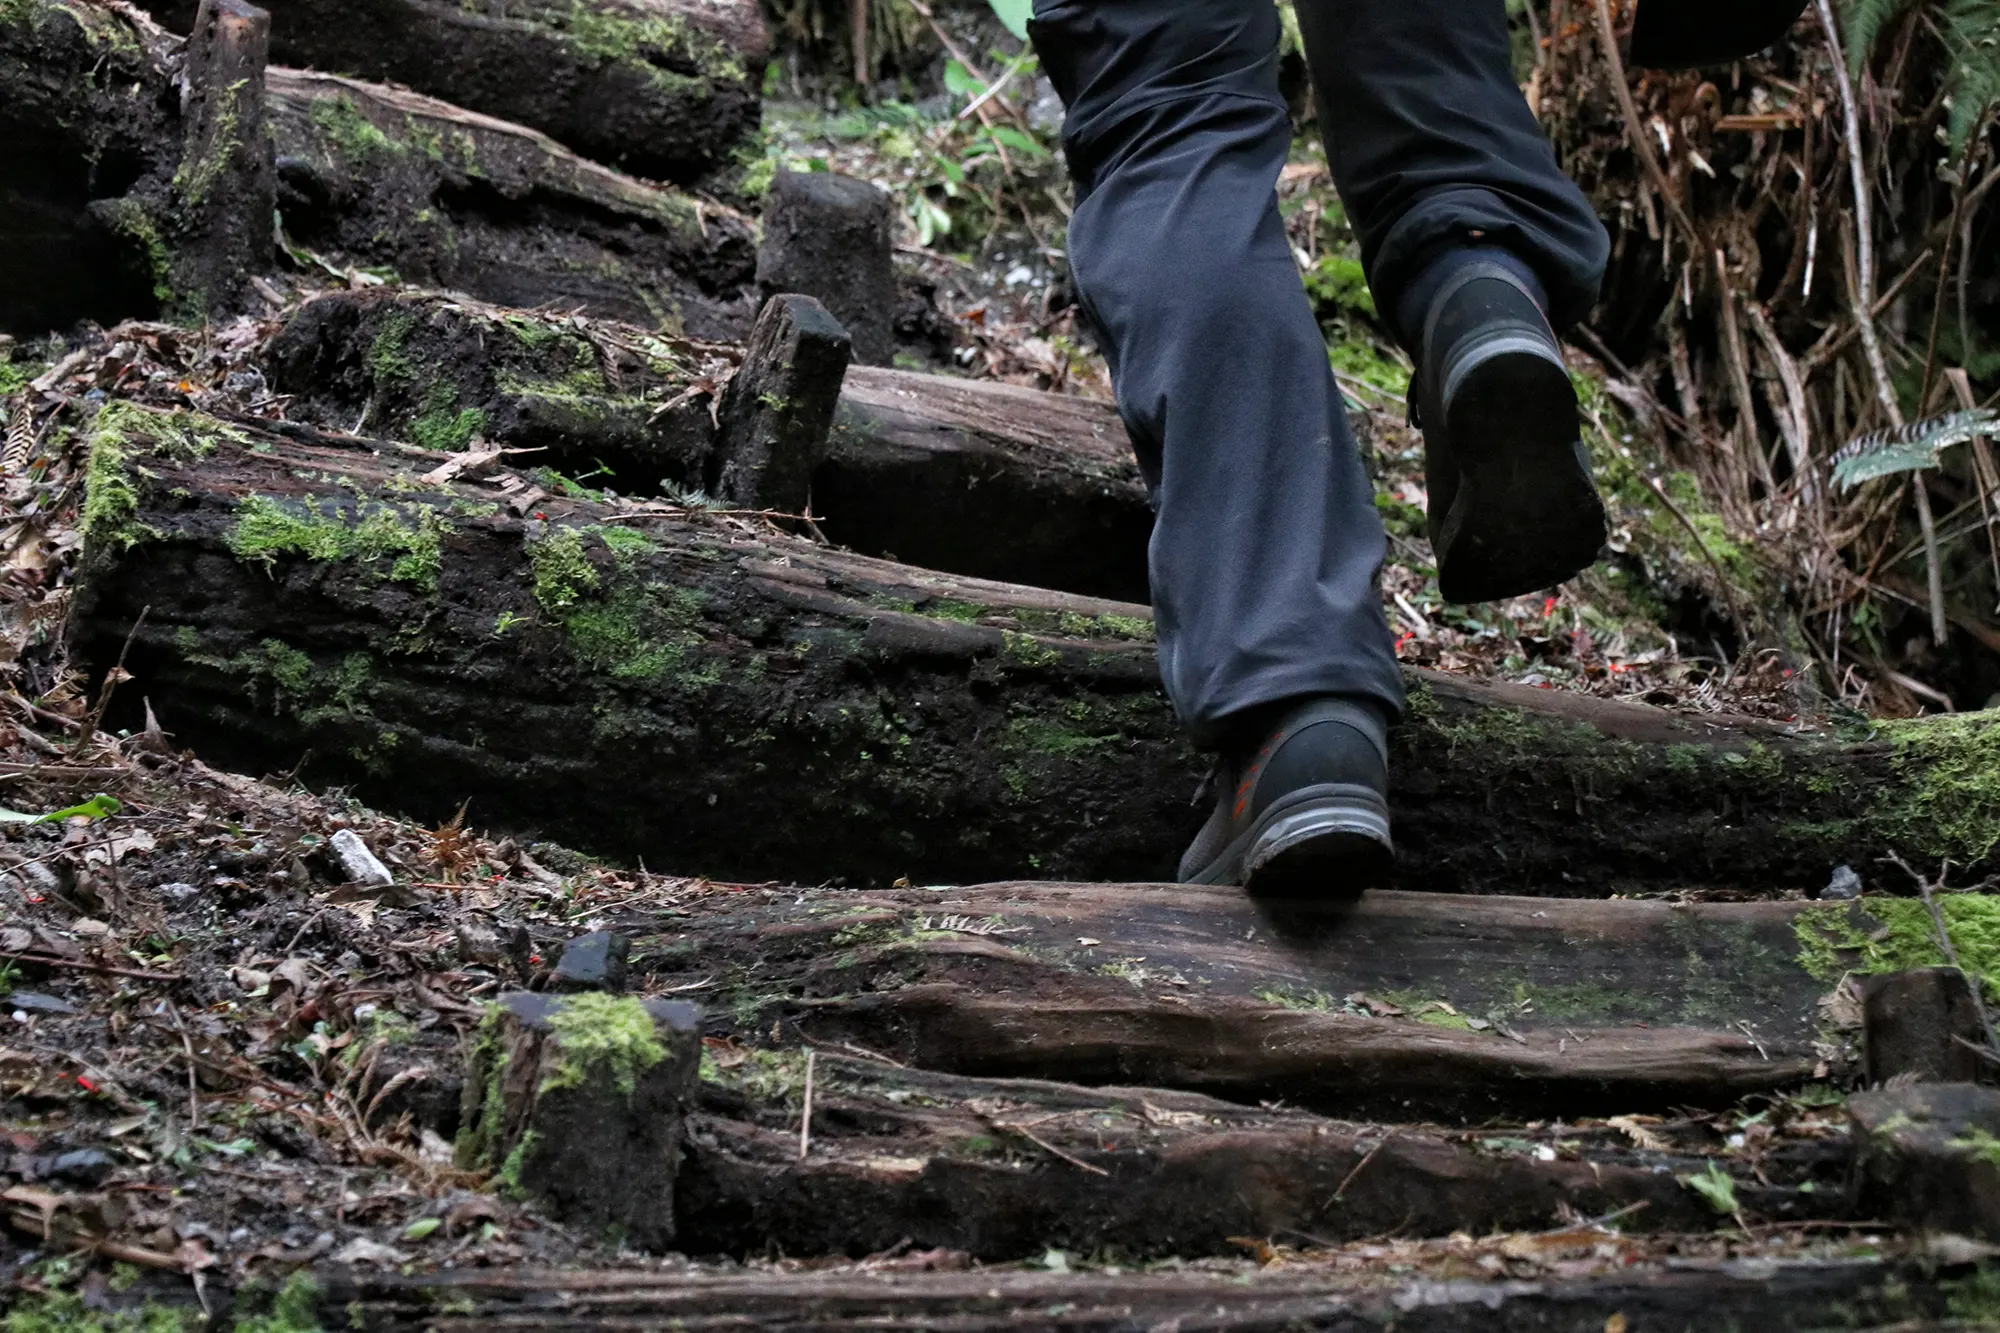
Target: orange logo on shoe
(1249, 783)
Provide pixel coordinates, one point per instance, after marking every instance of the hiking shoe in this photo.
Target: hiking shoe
(1512, 506)
(1304, 815)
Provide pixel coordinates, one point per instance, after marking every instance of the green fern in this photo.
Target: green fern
(1971, 32)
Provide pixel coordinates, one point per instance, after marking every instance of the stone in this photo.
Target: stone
(360, 865)
(1928, 1155)
(592, 962)
(828, 237)
(1916, 1026)
(579, 1102)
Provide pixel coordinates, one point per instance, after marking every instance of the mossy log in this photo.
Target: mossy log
(1436, 1005)
(971, 477)
(1694, 1294)
(666, 89)
(385, 177)
(119, 197)
(724, 699)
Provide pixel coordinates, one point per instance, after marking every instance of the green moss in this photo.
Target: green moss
(777, 1076)
(946, 608)
(1979, 1145)
(110, 498)
(388, 354)
(65, 1312)
(443, 425)
(338, 694)
(351, 134)
(1948, 801)
(600, 33)
(411, 540)
(194, 180)
(1025, 650)
(130, 219)
(632, 627)
(22, 13)
(605, 1038)
(296, 1310)
(1307, 1001)
(1834, 940)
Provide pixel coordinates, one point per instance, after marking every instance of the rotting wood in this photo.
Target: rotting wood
(1701, 1296)
(967, 476)
(1410, 1004)
(83, 85)
(663, 88)
(225, 191)
(450, 198)
(633, 681)
(581, 1101)
(778, 406)
(1006, 1169)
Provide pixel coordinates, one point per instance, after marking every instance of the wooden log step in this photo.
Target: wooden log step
(1007, 1169)
(381, 176)
(721, 698)
(666, 89)
(1695, 1296)
(1409, 1005)
(971, 477)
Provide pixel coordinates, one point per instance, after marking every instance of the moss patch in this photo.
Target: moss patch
(608, 1038)
(1834, 940)
(410, 539)
(120, 436)
(620, 621)
(1948, 803)
(351, 134)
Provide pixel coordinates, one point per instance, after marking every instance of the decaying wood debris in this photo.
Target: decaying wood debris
(308, 593)
(662, 88)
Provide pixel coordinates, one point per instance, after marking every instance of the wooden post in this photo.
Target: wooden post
(779, 407)
(224, 195)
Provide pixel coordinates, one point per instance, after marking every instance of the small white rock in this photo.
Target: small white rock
(360, 865)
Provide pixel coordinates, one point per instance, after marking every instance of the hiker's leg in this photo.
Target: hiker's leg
(1267, 545)
(1434, 149)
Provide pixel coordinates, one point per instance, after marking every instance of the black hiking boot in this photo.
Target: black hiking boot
(1512, 506)
(1306, 814)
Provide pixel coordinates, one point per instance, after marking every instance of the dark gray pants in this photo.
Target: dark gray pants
(1267, 545)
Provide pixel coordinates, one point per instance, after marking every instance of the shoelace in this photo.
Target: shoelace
(1211, 782)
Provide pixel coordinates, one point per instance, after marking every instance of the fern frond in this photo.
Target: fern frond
(1908, 448)
(1864, 21)
(1972, 29)
(20, 436)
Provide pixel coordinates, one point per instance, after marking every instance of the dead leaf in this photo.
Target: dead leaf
(362, 1250)
(1634, 1128)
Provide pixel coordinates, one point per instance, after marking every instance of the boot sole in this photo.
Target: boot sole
(1329, 842)
(1525, 514)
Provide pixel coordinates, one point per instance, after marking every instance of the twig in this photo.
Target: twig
(1048, 1147)
(187, 1045)
(806, 1117)
(84, 965)
(89, 731)
(1635, 132)
(1358, 1167)
(1973, 983)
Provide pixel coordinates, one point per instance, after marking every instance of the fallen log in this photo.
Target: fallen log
(1004, 1169)
(973, 477)
(449, 198)
(667, 89)
(124, 191)
(1704, 1296)
(718, 697)
(1425, 1004)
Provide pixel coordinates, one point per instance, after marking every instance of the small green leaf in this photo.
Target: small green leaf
(422, 1227)
(99, 806)
(1018, 141)
(1015, 14)
(1715, 1185)
(958, 81)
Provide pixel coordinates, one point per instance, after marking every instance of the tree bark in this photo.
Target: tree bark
(450, 198)
(225, 192)
(666, 89)
(725, 699)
